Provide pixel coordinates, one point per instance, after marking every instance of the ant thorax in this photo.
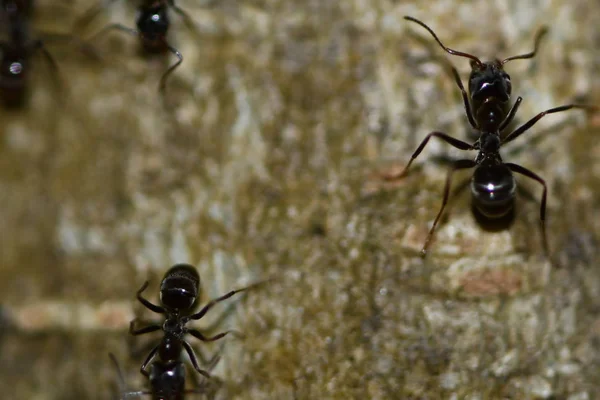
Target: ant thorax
(174, 326)
(488, 144)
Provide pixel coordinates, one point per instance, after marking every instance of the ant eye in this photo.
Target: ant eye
(16, 68)
(508, 84)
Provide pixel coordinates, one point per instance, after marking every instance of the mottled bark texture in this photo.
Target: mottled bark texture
(264, 159)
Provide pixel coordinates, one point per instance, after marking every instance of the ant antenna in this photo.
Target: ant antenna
(538, 38)
(447, 49)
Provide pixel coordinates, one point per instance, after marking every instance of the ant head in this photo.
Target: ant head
(14, 6)
(12, 77)
(489, 90)
(153, 24)
(179, 287)
(489, 81)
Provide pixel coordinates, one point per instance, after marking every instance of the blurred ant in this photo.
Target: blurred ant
(179, 292)
(16, 51)
(152, 27)
(167, 381)
(493, 185)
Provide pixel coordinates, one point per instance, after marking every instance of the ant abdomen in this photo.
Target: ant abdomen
(167, 377)
(493, 190)
(179, 287)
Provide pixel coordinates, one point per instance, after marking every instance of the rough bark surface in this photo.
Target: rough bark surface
(265, 160)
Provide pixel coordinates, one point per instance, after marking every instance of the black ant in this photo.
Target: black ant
(493, 185)
(179, 292)
(152, 24)
(167, 381)
(16, 51)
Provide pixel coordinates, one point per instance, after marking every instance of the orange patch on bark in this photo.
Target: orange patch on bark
(491, 282)
(386, 178)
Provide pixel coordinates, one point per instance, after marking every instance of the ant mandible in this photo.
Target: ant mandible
(16, 51)
(179, 292)
(493, 186)
(152, 27)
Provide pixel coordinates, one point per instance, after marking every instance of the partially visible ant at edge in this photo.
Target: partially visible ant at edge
(152, 24)
(493, 186)
(16, 51)
(167, 381)
(179, 294)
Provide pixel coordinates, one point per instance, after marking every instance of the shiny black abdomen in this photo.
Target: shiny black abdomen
(167, 380)
(493, 189)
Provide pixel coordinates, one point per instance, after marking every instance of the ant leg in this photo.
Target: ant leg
(39, 45)
(459, 144)
(187, 20)
(523, 171)
(147, 361)
(123, 393)
(459, 164)
(118, 27)
(163, 79)
(83, 46)
(190, 352)
(212, 303)
(148, 329)
(465, 98)
(198, 335)
(523, 128)
(119, 373)
(146, 303)
(511, 114)
(89, 15)
(214, 360)
(201, 355)
(207, 387)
